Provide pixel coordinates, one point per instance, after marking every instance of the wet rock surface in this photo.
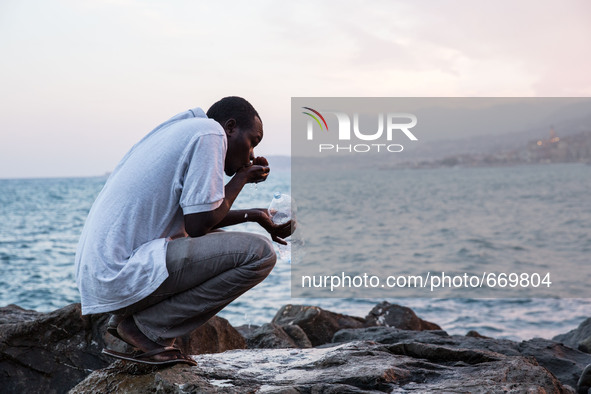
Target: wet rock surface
(353, 367)
(565, 363)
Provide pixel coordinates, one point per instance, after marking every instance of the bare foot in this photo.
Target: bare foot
(130, 333)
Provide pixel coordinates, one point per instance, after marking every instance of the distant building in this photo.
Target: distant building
(544, 150)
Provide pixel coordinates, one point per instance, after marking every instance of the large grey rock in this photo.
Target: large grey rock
(318, 324)
(273, 336)
(121, 377)
(12, 314)
(565, 363)
(299, 337)
(579, 338)
(52, 352)
(357, 367)
(393, 315)
(49, 352)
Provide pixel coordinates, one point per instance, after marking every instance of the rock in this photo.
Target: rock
(585, 345)
(15, 314)
(215, 336)
(393, 315)
(246, 330)
(49, 352)
(357, 367)
(121, 377)
(565, 363)
(318, 324)
(389, 335)
(52, 352)
(272, 336)
(579, 338)
(299, 337)
(584, 383)
(476, 334)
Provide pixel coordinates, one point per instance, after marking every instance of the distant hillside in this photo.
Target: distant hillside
(571, 148)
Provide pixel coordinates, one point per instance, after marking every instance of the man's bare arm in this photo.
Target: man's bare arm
(199, 224)
(238, 216)
(262, 217)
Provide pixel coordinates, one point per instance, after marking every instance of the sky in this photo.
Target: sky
(83, 80)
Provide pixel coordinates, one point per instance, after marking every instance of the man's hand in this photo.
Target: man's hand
(277, 231)
(260, 161)
(257, 171)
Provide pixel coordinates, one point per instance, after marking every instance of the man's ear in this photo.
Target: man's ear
(230, 126)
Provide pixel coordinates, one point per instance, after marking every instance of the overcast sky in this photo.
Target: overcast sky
(82, 80)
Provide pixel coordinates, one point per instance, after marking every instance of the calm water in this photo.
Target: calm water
(41, 219)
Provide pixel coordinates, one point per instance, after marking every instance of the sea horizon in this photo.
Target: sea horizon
(41, 220)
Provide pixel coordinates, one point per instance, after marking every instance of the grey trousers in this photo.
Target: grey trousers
(205, 275)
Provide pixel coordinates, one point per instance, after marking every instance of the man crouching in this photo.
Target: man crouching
(148, 253)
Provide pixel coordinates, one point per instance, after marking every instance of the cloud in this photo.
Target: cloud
(135, 62)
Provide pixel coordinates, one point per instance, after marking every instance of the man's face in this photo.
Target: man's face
(241, 144)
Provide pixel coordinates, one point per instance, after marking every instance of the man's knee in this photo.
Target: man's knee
(267, 255)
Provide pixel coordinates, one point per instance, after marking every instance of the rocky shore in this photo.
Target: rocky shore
(304, 349)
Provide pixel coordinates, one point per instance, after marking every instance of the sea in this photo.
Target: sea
(41, 221)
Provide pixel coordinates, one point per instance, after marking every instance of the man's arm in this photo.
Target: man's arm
(198, 224)
(260, 216)
(238, 216)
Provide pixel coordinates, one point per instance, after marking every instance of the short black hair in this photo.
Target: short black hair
(233, 107)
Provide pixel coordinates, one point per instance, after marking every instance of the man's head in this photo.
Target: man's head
(243, 127)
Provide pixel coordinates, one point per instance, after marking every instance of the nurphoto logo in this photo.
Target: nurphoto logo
(394, 124)
(316, 119)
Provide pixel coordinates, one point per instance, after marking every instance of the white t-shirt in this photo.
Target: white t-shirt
(177, 169)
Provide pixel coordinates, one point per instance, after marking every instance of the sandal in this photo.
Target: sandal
(177, 357)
